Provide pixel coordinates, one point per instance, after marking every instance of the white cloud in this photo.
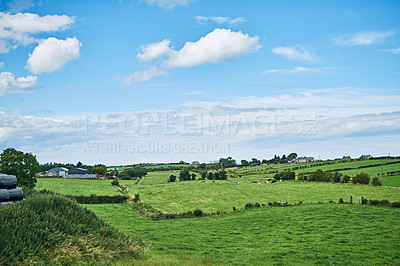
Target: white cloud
(10, 84)
(295, 70)
(393, 51)
(220, 20)
(295, 53)
(154, 50)
(363, 38)
(142, 76)
(217, 46)
(52, 54)
(167, 4)
(19, 29)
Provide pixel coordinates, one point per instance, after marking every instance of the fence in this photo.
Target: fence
(80, 176)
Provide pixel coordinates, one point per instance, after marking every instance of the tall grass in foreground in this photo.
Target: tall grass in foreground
(49, 228)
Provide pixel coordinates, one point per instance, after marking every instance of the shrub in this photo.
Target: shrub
(376, 182)
(336, 177)
(362, 178)
(95, 199)
(248, 206)
(198, 213)
(172, 178)
(346, 179)
(115, 183)
(137, 198)
(396, 204)
(341, 201)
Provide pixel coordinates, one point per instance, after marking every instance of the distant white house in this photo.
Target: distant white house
(195, 163)
(304, 159)
(47, 174)
(366, 156)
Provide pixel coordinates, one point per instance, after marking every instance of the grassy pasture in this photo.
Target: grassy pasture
(259, 172)
(223, 195)
(391, 181)
(307, 234)
(77, 187)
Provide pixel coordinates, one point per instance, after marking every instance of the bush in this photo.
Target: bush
(376, 182)
(198, 213)
(172, 178)
(115, 183)
(362, 178)
(248, 206)
(286, 175)
(336, 177)
(341, 201)
(346, 179)
(95, 199)
(137, 198)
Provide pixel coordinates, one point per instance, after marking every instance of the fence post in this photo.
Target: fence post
(351, 199)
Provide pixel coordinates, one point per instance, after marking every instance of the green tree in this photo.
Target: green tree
(336, 177)
(292, 156)
(376, 182)
(362, 178)
(193, 176)
(184, 175)
(227, 162)
(172, 178)
(346, 179)
(79, 164)
(244, 163)
(23, 165)
(98, 170)
(222, 175)
(204, 175)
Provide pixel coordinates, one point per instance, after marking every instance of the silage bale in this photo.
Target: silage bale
(15, 194)
(4, 195)
(8, 181)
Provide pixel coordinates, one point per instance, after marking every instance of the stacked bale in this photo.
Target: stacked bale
(9, 192)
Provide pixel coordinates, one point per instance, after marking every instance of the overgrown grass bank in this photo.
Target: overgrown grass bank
(48, 228)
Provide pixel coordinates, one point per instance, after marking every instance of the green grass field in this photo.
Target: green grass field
(260, 172)
(223, 195)
(78, 186)
(308, 234)
(391, 181)
(305, 234)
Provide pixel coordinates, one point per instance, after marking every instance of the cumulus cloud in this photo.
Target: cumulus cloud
(142, 76)
(19, 29)
(295, 70)
(154, 50)
(363, 38)
(10, 84)
(295, 53)
(52, 54)
(220, 20)
(217, 46)
(167, 4)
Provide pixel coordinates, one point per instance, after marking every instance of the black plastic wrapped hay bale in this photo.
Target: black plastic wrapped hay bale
(8, 181)
(4, 195)
(15, 194)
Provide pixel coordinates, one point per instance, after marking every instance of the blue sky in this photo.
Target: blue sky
(120, 82)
